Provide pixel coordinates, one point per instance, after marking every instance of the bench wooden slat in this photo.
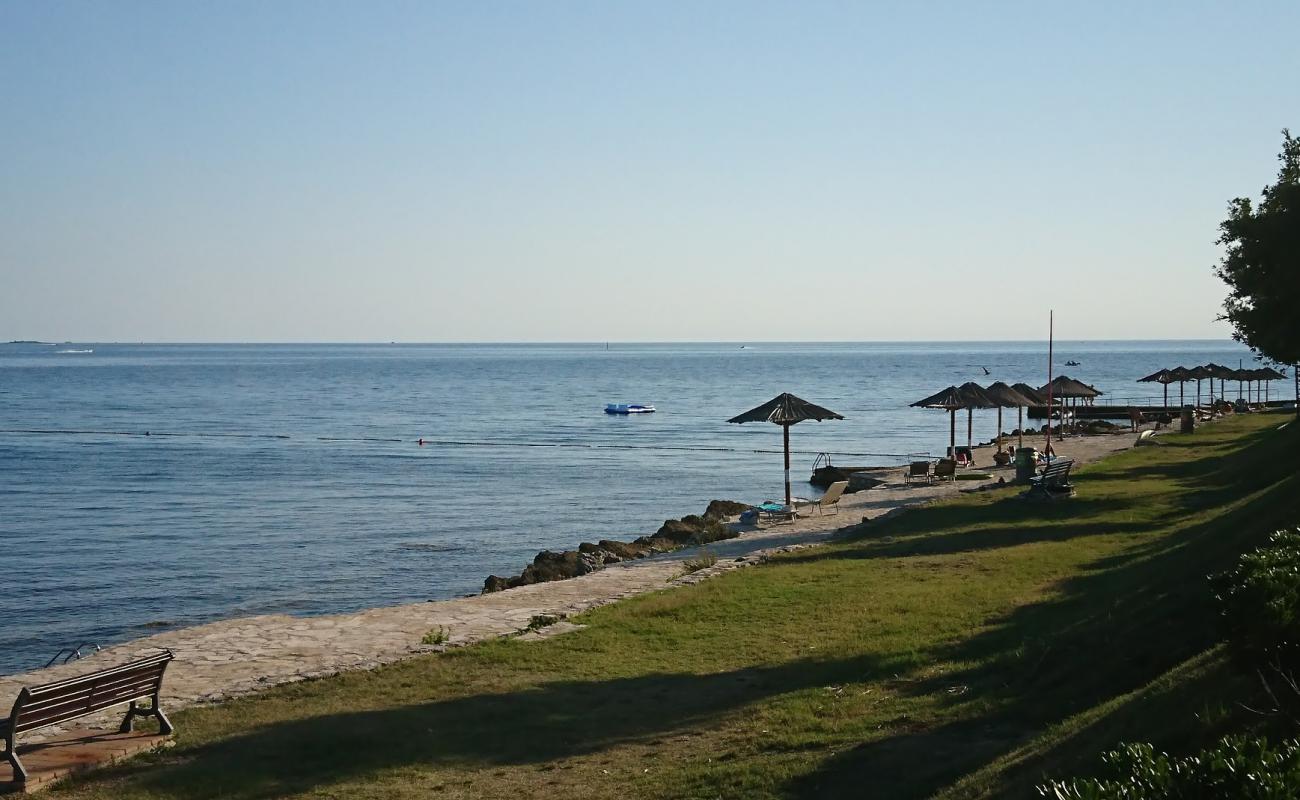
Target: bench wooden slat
(152, 674)
(144, 683)
(54, 686)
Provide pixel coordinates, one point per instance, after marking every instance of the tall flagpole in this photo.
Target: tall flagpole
(1050, 331)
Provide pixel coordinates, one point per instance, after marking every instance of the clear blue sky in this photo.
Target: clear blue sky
(275, 171)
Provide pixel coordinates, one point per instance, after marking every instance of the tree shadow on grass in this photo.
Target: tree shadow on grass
(1007, 522)
(1117, 626)
(549, 722)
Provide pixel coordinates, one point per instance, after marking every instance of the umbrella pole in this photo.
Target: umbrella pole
(785, 435)
(1166, 397)
(970, 424)
(999, 429)
(1181, 401)
(1020, 425)
(952, 433)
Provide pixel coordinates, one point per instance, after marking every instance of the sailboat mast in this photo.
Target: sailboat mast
(1047, 448)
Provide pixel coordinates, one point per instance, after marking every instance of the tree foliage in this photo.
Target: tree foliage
(1236, 768)
(1261, 264)
(1259, 600)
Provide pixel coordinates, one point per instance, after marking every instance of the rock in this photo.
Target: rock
(674, 534)
(624, 550)
(495, 584)
(680, 531)
(723, 509)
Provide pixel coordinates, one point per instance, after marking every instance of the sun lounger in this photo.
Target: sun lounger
(945, 468)
(832, 497)
(776, 513)
(919, 471)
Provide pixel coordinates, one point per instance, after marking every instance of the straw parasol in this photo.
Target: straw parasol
(1268, 375)
(975, 397)
(1029, 393)
(1162, 376)
(1007, 397)
(1182, 375)
(1223, 374)
(1199, 374)
(950, 400)
(1066, 388)
(785, 410)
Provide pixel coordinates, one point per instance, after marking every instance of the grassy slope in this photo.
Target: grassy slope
(962, 649)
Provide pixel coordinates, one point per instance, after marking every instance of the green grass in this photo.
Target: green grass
(965, 649)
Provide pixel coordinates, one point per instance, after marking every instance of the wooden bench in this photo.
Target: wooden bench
(72, 698)
(1055, 480)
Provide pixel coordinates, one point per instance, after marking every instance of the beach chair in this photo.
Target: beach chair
(832, 497)
(965, 458)
(945, 468)
(919, 471)
(776, 513)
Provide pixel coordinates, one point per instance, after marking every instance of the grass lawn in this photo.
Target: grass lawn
(964, 649)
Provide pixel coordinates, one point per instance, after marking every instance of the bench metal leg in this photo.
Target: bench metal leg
(11, 755)
(164, 724)
(128, 723)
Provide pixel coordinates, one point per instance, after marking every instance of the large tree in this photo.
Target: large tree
(1261, 264)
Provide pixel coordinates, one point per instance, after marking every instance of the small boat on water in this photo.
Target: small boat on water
(1072, 363)
(628, 408)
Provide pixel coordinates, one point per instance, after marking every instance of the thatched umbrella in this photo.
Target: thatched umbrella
(949, 400)
(1066, 388)
(1223, 374)
(1007, 397)
(1268, 375)
(1162, 376)
(975, 397)
(1182, 375)
(785, 410)
(1240, 376)
(1035, 399)
(1199, 374)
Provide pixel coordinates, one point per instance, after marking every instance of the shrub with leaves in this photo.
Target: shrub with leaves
(1260, 605)
(1237, 768)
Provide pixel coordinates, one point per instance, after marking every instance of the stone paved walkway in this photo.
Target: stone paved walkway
(233, 657)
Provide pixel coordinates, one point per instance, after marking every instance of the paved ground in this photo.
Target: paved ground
(234, 657)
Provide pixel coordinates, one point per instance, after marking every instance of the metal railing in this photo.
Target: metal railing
(71, 653)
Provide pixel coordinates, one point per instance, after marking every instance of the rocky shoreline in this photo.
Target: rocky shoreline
(691, 530)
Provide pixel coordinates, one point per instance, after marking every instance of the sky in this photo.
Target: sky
(616, 171)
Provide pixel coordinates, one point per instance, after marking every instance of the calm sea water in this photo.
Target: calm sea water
(287, 478)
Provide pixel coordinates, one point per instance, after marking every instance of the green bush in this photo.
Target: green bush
(1237, 768)
(1259, 601)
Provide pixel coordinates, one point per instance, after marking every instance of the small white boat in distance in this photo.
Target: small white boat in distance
(628, 408)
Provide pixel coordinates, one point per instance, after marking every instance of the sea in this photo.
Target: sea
(151, 486)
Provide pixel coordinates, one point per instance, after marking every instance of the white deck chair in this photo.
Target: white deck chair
(832, 497)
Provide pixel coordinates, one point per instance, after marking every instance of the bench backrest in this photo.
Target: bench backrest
(1057, 470)
(945, 468)
(69, 699)
(920, 469)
